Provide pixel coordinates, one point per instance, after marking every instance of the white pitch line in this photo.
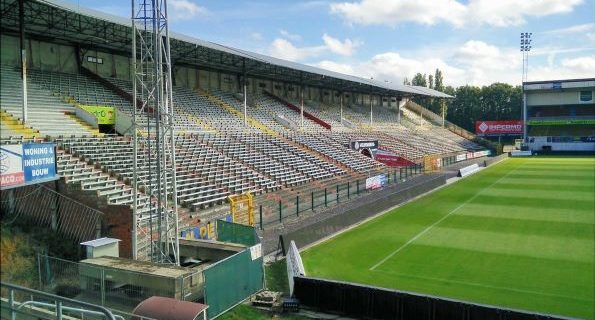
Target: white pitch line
(481, 285)
(440, 220)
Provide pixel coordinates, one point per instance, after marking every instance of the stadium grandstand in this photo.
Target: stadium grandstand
(239, 121)
(560, 115)
(244, 124)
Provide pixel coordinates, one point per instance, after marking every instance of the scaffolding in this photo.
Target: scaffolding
(153, 134)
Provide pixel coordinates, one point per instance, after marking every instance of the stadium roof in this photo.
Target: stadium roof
(60, 21)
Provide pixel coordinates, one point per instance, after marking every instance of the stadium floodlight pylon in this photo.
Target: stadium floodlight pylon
(153, 134)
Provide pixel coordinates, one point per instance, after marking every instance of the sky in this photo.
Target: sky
(473, 42)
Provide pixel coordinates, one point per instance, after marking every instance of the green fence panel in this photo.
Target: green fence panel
(231, 281)
(236, 233)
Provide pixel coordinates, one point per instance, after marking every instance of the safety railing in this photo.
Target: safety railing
(320, 198)
(24, 303)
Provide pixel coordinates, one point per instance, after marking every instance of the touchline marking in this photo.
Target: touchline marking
(482, 285)
(440, 220)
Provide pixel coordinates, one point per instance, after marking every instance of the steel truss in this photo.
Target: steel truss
(153, 134)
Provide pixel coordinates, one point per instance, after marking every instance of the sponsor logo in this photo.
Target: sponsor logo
(498, 127)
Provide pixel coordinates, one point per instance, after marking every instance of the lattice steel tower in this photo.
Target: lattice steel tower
(155, 234)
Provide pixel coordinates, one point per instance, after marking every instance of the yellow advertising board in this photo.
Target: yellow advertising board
(104, 115)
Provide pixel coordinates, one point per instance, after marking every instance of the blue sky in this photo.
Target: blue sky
(472, 41)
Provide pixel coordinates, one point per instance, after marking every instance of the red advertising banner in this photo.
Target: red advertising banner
(512, 127)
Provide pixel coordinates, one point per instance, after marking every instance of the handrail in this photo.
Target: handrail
(59, 301)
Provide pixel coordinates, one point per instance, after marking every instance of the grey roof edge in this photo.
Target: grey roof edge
(403, 89)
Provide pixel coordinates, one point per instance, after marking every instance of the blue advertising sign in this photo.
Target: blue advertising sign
(28, 163)
(39, 161)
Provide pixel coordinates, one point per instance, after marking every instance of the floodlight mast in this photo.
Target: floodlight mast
(525, 49)
(153, 135)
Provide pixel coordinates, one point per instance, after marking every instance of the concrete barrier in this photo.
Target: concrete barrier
(519, 153)
(469, 170)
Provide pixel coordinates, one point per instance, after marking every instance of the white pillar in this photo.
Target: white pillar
(524, 116)
(399, 111)
(24, 77)
(341, 101)
(371, 114)
(245, 104)
(302, 109)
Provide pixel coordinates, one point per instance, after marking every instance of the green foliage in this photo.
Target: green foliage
(498, 101)
(17, 258)
(276, 277)
(438, 80)
(518, 234)
(419, 80)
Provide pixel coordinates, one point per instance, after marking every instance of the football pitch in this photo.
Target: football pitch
(519, 234)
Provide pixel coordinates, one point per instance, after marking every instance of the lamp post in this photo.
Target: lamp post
(525, 48)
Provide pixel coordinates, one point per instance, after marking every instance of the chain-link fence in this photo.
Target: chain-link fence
(114, 289)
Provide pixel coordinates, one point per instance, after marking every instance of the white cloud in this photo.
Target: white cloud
(391, 66)
(257, 36)
(284, 49)
(473, 62)
(393, 12)
(579, 28)
(345, 48)
(498, 13)
(504, 13)
(290, 36)
(185, 9)
(582, 65)
(335, 66)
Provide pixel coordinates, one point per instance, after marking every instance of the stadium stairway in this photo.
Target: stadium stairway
(250, 120)
(294, 108)
(13, 127)
(46, 112)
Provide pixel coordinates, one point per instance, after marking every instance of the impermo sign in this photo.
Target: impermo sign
(27, 163)
(104, 115)
(363, 144)
(512, 127)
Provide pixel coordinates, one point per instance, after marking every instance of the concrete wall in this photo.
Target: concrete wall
(40, 55)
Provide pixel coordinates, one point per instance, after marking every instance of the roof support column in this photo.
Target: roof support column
(371, 113)
(399, 99)
(341, 104)
(23, 57)
(302, 100)
(302, 107)
(245, 93)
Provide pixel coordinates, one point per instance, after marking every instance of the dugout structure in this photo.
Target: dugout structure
(241, 207)
(432, 163)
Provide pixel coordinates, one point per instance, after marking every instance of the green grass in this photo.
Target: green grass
(276, 277)
(519, 234)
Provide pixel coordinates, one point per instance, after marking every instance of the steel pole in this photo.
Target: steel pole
(135, 146)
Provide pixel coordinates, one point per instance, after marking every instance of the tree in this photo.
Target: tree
(431, 81)
(406, 81)
(419, 80)
(438, 80)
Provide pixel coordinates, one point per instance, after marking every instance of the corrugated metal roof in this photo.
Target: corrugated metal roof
(99, 242)
(406, 89)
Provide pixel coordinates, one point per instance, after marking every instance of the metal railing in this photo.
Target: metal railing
(42, 206)
(273, 214)
(20, 302)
